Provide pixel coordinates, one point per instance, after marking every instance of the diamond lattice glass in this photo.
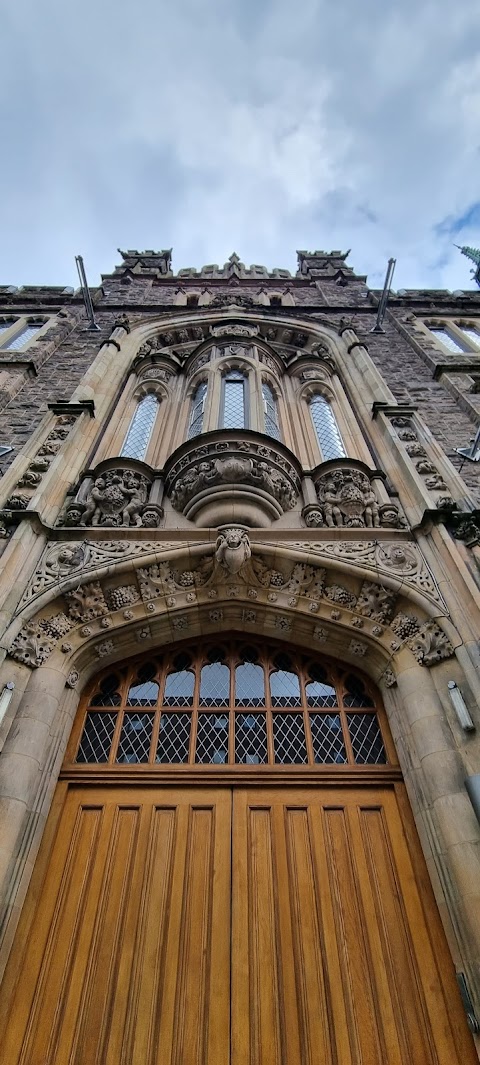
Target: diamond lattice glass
(173, 738)
(198, 407)
(7, 325)
(250, 739)
(107, 694)
(289, 739)
(144, 692)
(215, 685)
(249, 685)
(140, 430)
(179, 688)
(366, 739)
(326, 428)
(23, 337)
(97, 737)
(135, 738)
(447, 339)
(270, 409)
(320, 694)
(327, 738)
(285, 688)
(212, 738)
(472, 334)
(234, 401)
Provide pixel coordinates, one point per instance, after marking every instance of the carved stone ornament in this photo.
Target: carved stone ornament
(405, 625)
(210, 479)
(72, 679)
(431, 644)
(87, 602)
(389, 678)
(347, 500)
(117, 497)
(105, 648)
(375, 602)
(356, 647)
(35, 642)
(232, 549)
(123, 596)
(234, 329)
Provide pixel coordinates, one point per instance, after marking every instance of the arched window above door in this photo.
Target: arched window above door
(219, 703)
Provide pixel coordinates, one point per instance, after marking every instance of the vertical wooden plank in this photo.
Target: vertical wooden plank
(257, 992)
(355, 963)
(308, 946)
(56, 939)
(201, 1029)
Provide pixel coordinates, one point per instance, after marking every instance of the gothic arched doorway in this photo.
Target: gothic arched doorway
(230, 874)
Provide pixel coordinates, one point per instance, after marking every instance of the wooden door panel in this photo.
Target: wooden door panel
(332, 949)
(129, 957)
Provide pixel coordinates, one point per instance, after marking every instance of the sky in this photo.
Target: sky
(261, 127)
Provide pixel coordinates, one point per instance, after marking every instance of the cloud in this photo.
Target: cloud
(256, 127)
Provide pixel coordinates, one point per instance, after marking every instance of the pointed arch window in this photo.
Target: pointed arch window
(270, 411)
(140, 429)
(234, 401)
(326, 428)
(197, 411)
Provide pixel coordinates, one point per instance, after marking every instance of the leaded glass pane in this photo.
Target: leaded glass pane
(355, 692)
(366, 739)
(173, 738)
(140, 430)
(97, 737)
(320, 694)
(234, 401)
(212, 738)
(472, 334)
(447, 339)
(198, 407)
(285, 688)
(250, 739)
(144, 692)
(249, 685)
(327, 738)
(135, 738)
(326, 428)
(7, 325)
(179, 688)
(289, 739)
(270, 408)
(215, 685)
(21, 338)
(107, 695)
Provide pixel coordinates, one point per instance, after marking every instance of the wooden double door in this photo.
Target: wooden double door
(231, 926)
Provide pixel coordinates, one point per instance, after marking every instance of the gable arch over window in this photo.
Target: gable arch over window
(326, 428)
(141, 427)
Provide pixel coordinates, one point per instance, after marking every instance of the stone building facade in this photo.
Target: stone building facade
(236, 465)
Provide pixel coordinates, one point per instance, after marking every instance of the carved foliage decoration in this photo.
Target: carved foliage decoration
(41, 462)
(407, 433)
(430, 644)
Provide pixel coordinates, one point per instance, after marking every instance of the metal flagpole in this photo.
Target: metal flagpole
(87, 299)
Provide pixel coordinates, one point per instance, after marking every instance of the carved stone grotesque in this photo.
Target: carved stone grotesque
(348, 500)
(117, 497)
(232, 549)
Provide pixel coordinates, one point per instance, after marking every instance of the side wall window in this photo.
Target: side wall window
(233, 414)
(270, 410)
(326, 428)
(140, 429)
(197, 411)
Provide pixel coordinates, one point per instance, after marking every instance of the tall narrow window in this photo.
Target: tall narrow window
(140, 429)
(472, 334)
(234, 406)
(198, 407)
(20, 339)
(326, 428)
(7, 324)
(270, 410)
